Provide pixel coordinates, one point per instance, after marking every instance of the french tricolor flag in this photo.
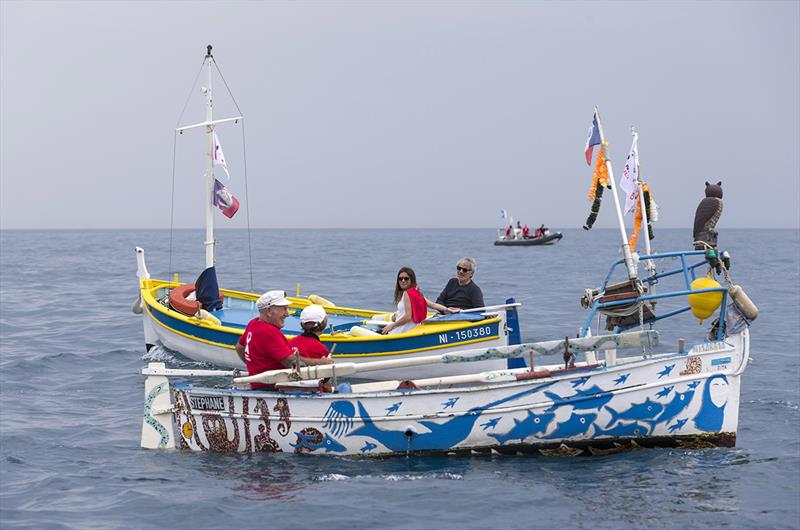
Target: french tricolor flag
(593, 139)
(227, 203)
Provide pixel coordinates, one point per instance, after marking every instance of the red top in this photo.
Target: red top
(309, 346)
(526, 231)
(264, 348)
(419, 309)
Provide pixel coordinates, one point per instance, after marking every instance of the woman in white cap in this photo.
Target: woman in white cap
(263, 346)
(313, 320)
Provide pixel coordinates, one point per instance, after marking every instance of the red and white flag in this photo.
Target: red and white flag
(224, 200)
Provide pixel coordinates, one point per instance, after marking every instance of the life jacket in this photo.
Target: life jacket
(419, 309)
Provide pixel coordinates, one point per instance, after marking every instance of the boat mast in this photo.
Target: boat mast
(626, 249)
(209, 242)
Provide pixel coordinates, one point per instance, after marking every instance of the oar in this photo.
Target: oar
(553, 347)
(473, 310)
(490, 308)
(496, 376)
(158, 369)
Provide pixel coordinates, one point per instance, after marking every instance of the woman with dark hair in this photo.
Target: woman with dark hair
(313, 320)
(412, 305)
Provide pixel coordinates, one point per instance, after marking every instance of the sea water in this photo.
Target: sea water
(71, 394)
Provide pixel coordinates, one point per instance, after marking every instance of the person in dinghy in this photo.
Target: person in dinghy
(262, 346)
(412, 305)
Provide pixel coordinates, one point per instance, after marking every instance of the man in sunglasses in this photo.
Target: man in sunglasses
(262, 346)
(461, 291)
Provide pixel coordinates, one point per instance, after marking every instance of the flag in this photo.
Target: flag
(630, 177)
(593, 139)
(219, 157)
(503, 214)
(227, 203)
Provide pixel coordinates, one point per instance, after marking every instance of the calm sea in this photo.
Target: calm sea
(71, 395)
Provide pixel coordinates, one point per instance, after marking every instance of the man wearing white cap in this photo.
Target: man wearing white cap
(313, 320)
(262, 346)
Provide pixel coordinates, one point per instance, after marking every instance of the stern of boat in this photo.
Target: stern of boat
(158, 423)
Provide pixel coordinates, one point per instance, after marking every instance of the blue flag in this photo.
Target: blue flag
(593, 139)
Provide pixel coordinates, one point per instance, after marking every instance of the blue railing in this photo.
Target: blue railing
(688, 271)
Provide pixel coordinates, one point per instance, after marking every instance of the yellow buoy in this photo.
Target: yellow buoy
(315, 299)
(704, 304)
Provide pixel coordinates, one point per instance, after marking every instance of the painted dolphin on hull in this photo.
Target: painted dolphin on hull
(532, 424)
(591, 398)
(639, 411)
(577, 424)
(678, 404)
(622, 430)
(440, 435)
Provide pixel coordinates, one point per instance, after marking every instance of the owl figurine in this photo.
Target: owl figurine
(706, 217)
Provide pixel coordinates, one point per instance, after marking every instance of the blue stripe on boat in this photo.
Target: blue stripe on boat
(347, 347)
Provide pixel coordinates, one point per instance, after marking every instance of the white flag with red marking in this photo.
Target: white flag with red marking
(630, 177)
(219, 157)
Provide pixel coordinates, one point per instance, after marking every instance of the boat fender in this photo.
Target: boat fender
(743, 302)
(315, 299)
(207, 317)
(384, 317)
(137, 306)
(358, 331)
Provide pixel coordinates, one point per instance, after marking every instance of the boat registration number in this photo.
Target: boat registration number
(473, 333)
(216, 403)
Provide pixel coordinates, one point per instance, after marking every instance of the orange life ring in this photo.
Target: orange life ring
(178, 301)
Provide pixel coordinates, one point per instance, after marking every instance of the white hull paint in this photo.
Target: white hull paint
(666, 399)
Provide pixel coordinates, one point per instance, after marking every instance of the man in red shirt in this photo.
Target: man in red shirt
(262, 346)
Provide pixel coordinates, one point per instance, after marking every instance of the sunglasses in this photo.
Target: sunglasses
(459, 268)
(403, 279)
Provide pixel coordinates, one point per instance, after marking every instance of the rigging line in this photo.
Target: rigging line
(174, 149)
(246, 190)
(247, 201)
(172, 203)
(226, 86)
(194, 84)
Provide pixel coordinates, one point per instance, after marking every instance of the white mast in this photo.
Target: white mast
(209, 125)
(626, 249)
(209, 242)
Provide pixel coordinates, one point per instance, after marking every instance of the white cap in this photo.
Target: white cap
(272, 298)
(313, 313)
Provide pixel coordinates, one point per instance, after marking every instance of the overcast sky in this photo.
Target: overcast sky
(407, 114)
